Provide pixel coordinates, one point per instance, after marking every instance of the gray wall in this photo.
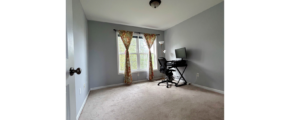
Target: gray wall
(102, 45)
(80, 53)
(203, 37)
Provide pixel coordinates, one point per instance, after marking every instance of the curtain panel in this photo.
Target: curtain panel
(150, 40)
(126, 37)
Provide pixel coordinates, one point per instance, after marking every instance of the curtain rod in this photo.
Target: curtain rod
(135, 32)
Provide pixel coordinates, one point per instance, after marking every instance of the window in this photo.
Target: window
(138, 51)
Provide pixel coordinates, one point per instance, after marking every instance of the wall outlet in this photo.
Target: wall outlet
(197, 74)
(80, 91)
(84, 85)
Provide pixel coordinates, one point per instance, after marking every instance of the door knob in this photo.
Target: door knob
(72, 71)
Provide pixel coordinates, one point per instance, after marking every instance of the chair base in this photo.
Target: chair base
(167, 81)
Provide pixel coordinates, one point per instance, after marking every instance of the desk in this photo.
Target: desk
(178, 63)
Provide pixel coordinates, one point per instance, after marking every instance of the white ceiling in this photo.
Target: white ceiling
(138, 12)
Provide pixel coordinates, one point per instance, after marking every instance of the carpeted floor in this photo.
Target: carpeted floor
(147, 101)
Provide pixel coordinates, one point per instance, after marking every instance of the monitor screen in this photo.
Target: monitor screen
(180, 53)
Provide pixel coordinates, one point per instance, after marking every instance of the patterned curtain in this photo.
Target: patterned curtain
(126, 38)
(150, 40)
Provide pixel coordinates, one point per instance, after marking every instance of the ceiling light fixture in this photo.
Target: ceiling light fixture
(155, 3)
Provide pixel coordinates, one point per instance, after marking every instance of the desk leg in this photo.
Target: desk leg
(181, 76)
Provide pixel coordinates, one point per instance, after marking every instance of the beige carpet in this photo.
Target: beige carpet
(147, 101)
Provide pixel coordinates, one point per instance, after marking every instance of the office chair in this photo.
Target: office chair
(167, 71)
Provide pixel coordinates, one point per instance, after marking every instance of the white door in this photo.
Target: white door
(70, 80)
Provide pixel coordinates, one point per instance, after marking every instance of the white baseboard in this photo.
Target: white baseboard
(207, 88)
(80, 111)
(157, 77)
(137, 81)
(101, 87)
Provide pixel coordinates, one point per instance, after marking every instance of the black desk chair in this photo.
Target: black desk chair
(167, 71)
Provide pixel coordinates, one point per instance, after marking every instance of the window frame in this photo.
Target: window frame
(154, 48)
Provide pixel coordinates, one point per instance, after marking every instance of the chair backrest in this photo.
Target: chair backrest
(163, 66)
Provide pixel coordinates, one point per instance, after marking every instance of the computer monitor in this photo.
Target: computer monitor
(180, 53)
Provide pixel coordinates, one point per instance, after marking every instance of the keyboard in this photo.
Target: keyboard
(176, 63)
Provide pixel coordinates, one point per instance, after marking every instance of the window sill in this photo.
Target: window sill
(139, 71)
